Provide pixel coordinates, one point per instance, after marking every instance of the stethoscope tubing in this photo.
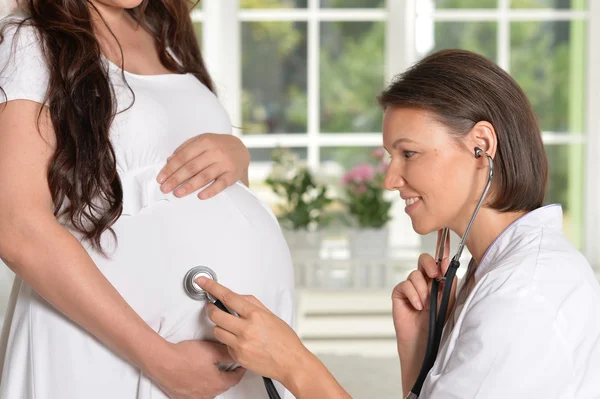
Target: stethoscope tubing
(436, 322)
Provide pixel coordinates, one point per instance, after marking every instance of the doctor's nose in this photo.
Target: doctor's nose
(393, 179)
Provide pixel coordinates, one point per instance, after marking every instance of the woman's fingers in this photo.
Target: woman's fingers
(428, 267)
(221, 183)
(181, 156)
(406, 290)
(180, 168)
(224, 320)
(201, 178)
(252, 299)
(225, 337)
(420, 284)
(232, 377)
(230, 299)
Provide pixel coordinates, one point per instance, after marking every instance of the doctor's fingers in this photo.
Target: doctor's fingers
(225, 320)
(226, 338)
(428, 267)
(230, 299)
(407, 291)
(252, 299)
(421, 285)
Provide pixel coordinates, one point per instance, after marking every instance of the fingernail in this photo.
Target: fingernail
(166, 188)
(203, 195)
(161, 177)
(180, 191)
(420, 306)
(200, 281)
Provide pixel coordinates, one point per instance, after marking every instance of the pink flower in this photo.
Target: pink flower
(360, 189)
(360, 173)
(382, 167)
(379, 153)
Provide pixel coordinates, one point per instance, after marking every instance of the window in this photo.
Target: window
(305, 74)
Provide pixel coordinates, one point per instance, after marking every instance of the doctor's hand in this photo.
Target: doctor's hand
(411, 303)
(202, 159)
(190, 370)
(258, 340)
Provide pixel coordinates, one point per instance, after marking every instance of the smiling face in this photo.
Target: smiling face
(434, 173)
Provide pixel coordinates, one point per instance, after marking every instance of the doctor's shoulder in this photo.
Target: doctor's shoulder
(544, 267)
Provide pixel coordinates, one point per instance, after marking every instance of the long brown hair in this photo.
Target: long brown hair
(82, 174)
(462, 88)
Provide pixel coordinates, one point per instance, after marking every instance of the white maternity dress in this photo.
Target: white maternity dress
(43, 355)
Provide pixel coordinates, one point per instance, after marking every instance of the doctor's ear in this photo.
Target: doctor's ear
(483, 136)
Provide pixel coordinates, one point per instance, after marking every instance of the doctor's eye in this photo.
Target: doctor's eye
(408, 154)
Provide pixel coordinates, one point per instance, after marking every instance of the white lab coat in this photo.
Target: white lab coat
(530, 327)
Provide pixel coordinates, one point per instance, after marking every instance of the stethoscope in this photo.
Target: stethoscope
(195, 292)
(436, 322)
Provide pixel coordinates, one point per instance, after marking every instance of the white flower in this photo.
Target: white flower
(310, 195)
(320, 180)
(278, 173)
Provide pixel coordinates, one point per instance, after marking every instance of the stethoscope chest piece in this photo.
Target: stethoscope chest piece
(192, 289)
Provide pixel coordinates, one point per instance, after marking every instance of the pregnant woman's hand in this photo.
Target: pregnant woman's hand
(202, 159)
(191, 371)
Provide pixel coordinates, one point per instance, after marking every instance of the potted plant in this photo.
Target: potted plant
(303, 202)
(368, 207)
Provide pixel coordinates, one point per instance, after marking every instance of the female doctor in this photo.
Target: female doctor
(525, 320)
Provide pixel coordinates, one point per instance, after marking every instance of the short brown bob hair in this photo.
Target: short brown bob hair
(461, 88)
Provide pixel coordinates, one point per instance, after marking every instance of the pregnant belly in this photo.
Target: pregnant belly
(232, 233)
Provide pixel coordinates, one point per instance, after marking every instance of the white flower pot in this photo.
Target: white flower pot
(368, 250)
(303, 244)
(369, 243)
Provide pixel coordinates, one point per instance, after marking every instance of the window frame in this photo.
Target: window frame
(221, 42)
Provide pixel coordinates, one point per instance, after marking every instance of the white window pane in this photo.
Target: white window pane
(559, 4)
(351, 76)
(479, 37)
(466, 3)
(345, 158)
(264, 154)
(547, 60)
(352, 3)
(272, 3)
(565, 186)
(274, 81)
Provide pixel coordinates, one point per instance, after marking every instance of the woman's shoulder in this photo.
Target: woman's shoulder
(16, 26)
(23, 69)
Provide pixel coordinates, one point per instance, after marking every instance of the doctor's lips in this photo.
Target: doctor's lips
(410, 199)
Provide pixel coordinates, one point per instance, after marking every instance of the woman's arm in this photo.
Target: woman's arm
(265, 344)
(54, 263)
(38, 249)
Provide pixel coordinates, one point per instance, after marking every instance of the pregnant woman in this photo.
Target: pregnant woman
(104, 106)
